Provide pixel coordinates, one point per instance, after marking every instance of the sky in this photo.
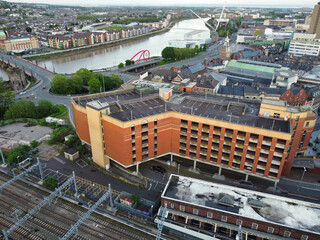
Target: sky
(264, 3)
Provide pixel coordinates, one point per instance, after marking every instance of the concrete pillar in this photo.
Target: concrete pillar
(194, 164)
(275, 185)
(137, 167)
(171, 158)
(186, 222)
(230, 233)
(215, 228)
(220, 171)
(247, 176)
(246, 236)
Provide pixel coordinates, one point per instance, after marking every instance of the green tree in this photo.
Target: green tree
(94, 85)
(18, 153)
(205, 47)
(75, 84)
(129, 62)
(59, 134)
(168, 53)
(59, 84)
(29, 29)
(84, 74)
(21, 109)
(45, 108)
(34, 143)
(6, 97)
(51, 182)
(121, 65)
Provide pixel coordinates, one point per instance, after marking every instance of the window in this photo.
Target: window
(224, 218)
(266, 114)
(254, 226)
(270, 230)
(304, 237)
(209, 215)
(307, 124)
(181, 208)
(276, 115)
(172, 205)
(287, 234)
(239, 222)
(195, 211)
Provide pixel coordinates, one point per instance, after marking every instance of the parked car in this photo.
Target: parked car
(44, 87)
(21, 93)
(35, 151)
(158, 169)
(310, 144)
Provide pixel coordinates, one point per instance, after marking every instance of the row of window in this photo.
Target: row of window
(254, 226)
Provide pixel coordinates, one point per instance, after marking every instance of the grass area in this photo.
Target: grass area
(63, 112)
(258, 33)
(114, 28)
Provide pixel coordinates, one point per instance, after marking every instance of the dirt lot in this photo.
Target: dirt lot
(21, 133)
(46, 151)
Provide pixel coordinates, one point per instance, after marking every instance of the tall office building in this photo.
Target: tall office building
(315, 21)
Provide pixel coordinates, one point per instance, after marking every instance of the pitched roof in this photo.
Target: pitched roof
(235, 90)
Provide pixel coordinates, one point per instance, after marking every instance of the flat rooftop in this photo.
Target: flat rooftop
(128, 106)
(246, 203)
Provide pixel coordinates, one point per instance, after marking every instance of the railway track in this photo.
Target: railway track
(98, 227)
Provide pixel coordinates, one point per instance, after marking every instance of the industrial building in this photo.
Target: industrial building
(131, 127)
(207, 210)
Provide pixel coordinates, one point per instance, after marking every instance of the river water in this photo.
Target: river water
(112, 56)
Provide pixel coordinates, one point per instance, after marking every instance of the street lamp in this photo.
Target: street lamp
(304, 170)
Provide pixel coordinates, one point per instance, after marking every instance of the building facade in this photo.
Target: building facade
(207, 210)
(18, 45)
(304, 44)
(314, 27)
(251, 138)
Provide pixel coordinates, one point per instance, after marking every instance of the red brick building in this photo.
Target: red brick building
(204, 209)
(248, 137)
(295, 97)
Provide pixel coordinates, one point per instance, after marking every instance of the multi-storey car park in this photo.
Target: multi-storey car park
(128, 128)
(209, 210)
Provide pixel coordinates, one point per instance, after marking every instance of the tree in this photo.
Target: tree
(18, 153)
(94, 85)
(59, 84)
(21, 109)
(45, 108)
(75, 84)
(29, 29)
(84, 74)
(34, 143)
(205, 47)
(6, 97)
(51, 182)
(121, 65)
(59, 134)
(168, 53)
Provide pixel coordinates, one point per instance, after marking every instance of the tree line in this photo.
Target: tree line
(81, 80)
(172, 53)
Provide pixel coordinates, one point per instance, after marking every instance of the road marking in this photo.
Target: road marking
(155, 185)
(150, 186)
(59, 160)
(309, 188)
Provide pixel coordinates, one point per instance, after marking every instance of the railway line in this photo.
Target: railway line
(55, 220)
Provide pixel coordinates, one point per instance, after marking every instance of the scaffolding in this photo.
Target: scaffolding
(38, 164)
(74, 228)
(40, 205)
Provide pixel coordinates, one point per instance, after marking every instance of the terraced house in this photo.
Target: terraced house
(129, 128)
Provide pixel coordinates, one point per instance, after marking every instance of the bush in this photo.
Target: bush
(317, 140)
(59, 134)
(136, 199)
(51, 182)
(315, 148)
(121, 65)
(34, 144)
(72, 141)
(18, 153)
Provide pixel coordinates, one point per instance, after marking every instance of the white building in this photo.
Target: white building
(304, 44)
(192, 39)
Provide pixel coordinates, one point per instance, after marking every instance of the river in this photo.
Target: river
(112, 56)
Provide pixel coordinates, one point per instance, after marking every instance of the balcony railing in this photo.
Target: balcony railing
(230, 135)
(276, 162)
(193, 143)
(183, 148)
(206, 130)
(217, 132)
(261, 167)
(255, 140)
(194, 128)
(203, 145)
(264, 151)
(238, 145)
(238, 153)
(144, 137)
(266, 143)
(214, 155)
(263, 159)
(183, 133)
(204, 137)
(193, 150)
(227, 143)
(144, 145)
(194, 135)
(184, 125)
(215, 140)
(225, 158)
(280, 145)
(250, 156)
(240, 137)
(274, 170)
(203, 153)
(252, 148)
(226, 150)
(215, 148)
(277, 154)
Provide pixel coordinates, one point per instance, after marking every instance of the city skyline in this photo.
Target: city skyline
(271, 3)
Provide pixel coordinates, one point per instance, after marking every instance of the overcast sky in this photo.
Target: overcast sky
(271, 3)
